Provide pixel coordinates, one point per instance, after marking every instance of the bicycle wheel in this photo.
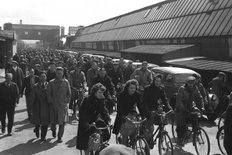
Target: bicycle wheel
(174, 133)
(165, 145)
(141, 147)
(220, 140)
(77, 114)
(201, 141)
(221, 120)
(117, 139)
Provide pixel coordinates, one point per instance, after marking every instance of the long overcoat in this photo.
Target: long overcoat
(40, 105)
(59, 94)
(90, 109)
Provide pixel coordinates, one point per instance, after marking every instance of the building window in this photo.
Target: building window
(146, 14)
(39, 33)
(26, 33)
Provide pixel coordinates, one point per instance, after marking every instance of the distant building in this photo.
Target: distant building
(73, 29)
(7, 46)
(49, 34)
(62, 30)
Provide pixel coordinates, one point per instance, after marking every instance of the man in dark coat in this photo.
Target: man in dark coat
(116, 76)
(28, 84)
(9, 97)
(17, 76)
(128, 71)
(51, 73)
(109, 94)
(228, 130)
(40, 107)
(92, 107)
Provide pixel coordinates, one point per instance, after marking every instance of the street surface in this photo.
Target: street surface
(24, 141)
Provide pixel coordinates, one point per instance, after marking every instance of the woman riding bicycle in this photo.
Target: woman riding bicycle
(90, 110)
(128, 100)
(153, 96)
(188, 98)
(228, 129)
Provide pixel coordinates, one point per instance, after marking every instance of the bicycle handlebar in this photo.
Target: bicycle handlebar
(102, 128)
(136, 122)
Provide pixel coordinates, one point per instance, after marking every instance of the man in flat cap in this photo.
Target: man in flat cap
(188, 98)
(77, 82)
(18, 76)
(218, 86)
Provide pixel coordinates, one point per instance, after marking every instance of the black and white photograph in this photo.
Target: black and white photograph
(116, 77)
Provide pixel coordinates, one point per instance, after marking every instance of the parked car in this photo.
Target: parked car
(97, 57)
(173, 77)
(125, 60)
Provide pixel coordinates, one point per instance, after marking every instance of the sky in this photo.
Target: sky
(66, 12)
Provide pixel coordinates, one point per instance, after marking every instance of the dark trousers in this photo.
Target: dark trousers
(61, 130)
(44, 129)
(9, 111)
(28, 104)
(228, 141)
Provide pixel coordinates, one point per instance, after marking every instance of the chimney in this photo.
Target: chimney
(20, 22)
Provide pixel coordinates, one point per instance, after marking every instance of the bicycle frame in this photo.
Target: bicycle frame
(137, 134)
(161, 127)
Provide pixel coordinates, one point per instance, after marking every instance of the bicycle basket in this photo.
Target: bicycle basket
(128, 128)
(94, 142)
(160, 118)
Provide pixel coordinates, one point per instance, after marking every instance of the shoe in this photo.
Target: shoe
(9, 134)
(43, 139)
(36, 131)
(54, 134)
(59, 140)
(180, 142)
(3, 130)
(151, 144)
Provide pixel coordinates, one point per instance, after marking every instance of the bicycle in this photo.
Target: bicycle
(80, 94)
(199, 135)
(96, 141)
(221, 120)
(136, 140)
(220, 140)
(165, 145)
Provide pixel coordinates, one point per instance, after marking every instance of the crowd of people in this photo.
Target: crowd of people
(51, 80)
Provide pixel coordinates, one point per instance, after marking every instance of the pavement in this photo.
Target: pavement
(24, 142)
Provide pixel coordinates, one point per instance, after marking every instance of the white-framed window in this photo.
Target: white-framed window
(39, 33)
(26, 33)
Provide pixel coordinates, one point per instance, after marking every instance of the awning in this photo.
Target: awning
(105, 53)
(167, 52)
(156, 49)
(203, 63)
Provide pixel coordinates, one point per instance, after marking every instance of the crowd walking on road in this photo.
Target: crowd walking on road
(56, 82)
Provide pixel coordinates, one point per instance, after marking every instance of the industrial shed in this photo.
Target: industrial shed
(205, 25)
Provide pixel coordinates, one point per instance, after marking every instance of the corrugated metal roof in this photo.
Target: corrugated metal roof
(204, 64)
(168, 19)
